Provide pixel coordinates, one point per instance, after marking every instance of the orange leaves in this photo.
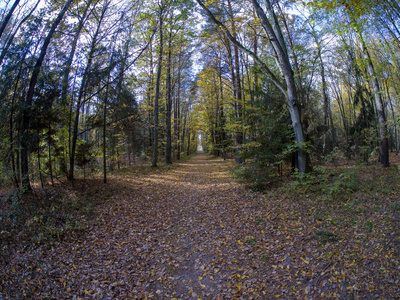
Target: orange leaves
(195, 233)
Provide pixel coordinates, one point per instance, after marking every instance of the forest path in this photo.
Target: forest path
(187, 233)
(193, 232)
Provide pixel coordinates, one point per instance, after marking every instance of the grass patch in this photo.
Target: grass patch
(325, 236)
(265, 258)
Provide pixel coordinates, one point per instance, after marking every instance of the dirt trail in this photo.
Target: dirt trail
(167, 235)
(194, 233)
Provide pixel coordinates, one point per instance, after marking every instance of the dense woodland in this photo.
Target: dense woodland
(295, 104)
(93, 86)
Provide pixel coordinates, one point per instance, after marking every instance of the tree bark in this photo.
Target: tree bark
(81, 94)
(25, 124)
(237, 91)
(168, 150)
(290, 90)
(157, 95)
(177, 113)
(11, 37)
(278, 43)
(380, 110)
(8, 16)
(71, 55)
(396, 146)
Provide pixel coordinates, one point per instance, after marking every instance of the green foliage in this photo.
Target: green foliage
(367, 149)
(84, 153)
(256, 176)
(5, 175)
(325, 237)
(331, 184)
(369, 226)
(51, 216)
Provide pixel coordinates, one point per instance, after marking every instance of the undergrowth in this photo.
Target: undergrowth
(47, 216)
(50, 215)
(361, 198)
(329, 182)
(258, 177)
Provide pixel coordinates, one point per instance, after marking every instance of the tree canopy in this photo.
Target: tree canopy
(99, 83)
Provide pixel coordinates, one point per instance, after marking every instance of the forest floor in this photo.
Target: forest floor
(193, 232)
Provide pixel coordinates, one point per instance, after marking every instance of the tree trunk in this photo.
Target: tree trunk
(104, 132)
(11, 37)
(326, 100)
(150, 96)
(168, 150)
(157, 95)
(384, 146)
(396, 146)
(188, 146)
(49, 150)
(177, 114)
(290, 90)
(25, 126)
(275, 34)
(185, 112)
(71, 55)
(81, 94)
(221, 113)
(237, 91)
(8, 16)
(11, 124)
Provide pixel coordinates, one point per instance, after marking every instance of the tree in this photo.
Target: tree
(157, 93)
(8, 17)
(274, 33)
(356, 15)
(29, 98)
(83, 86)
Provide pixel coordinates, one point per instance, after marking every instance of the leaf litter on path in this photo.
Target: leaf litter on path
(195, 233)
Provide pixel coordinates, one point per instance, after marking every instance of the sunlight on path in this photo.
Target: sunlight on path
(189, 233)
(170, 235)
(195, 233)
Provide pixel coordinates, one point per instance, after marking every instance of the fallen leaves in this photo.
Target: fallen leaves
(194, 233)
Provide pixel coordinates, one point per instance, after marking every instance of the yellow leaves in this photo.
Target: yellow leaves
(162, 250)
(305, 261)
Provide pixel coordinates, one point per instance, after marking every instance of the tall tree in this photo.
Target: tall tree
(158, 79)
(83, 86)
(275, 35)
(8, 17)
(25, 124)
